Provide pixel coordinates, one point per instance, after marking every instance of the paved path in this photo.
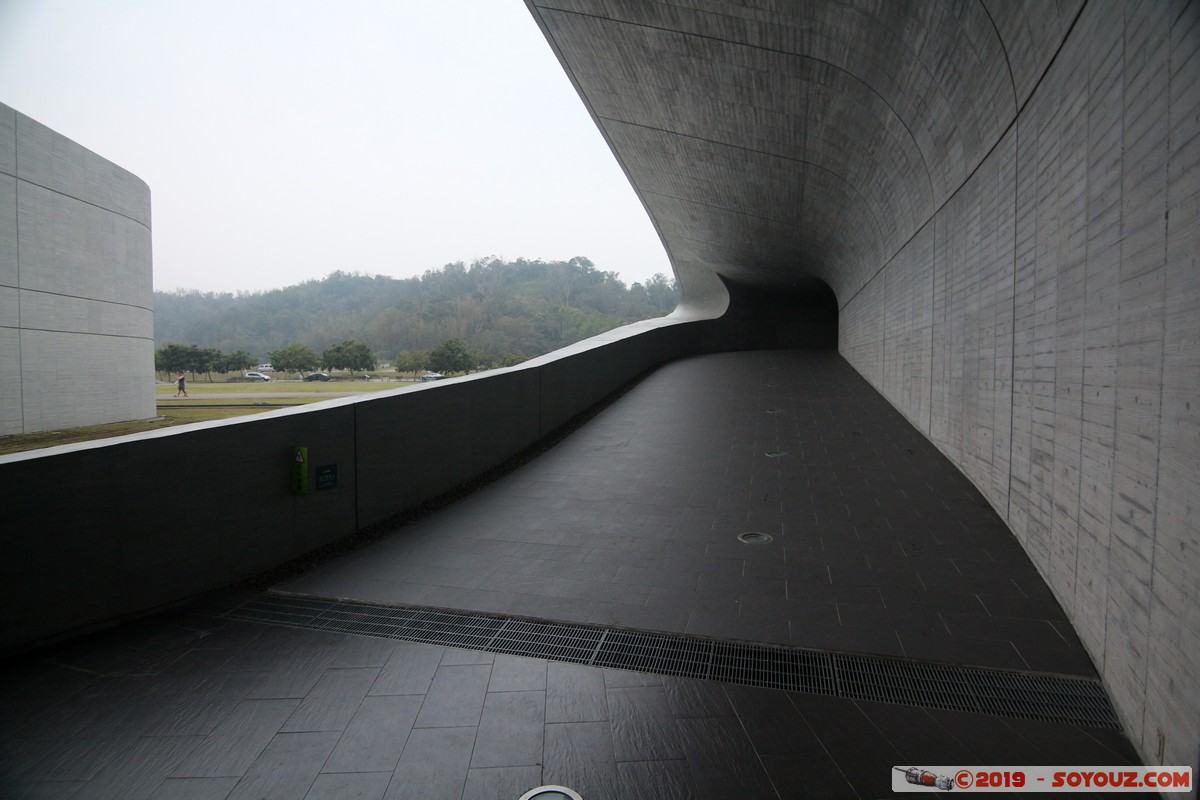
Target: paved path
(201, 395)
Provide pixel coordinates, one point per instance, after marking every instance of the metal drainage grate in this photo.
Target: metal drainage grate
(985, 691)
(547, 640)
(1051, 698)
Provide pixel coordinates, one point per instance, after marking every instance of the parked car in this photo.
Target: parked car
(432, 376)
(257, 376)
(317, 376)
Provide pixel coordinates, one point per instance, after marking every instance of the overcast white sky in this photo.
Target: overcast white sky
(286, 139)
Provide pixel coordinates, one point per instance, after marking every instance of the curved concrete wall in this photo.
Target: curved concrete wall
(1041, 329)
(1003, 197)
(76, 291)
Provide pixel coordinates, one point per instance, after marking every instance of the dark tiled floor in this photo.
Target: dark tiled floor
(632, 521)
(196, 706)
(879, 545)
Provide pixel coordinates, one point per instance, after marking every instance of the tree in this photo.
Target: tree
(293, 358)
(495, 307)
(451, 356)
(189, 358)
(349, 355)
(177, 358)
(169, 358)
(412, 361)
(662, 292)
(208, 359)
(235, 362)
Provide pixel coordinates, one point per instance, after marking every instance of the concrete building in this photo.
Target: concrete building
(988, 209)
(76, 292)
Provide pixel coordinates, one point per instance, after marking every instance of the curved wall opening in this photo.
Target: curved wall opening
(802, 315)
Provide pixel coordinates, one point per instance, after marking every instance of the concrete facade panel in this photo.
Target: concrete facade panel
(1104, 292)
(8, 237)
(972, 330)
(1171, 710)
(10, 364)
(52, 312)
(1065, 269)
(8, 140)
(75, 270)
(860, 331)
(59, 165)
(1031, 30)
(1098, 411)
(10, 312)
(83, 379)
(72, 248)
(909, 350)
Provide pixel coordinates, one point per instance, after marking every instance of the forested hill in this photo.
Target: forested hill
(499, 310)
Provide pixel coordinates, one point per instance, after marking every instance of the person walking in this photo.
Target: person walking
(181, 382)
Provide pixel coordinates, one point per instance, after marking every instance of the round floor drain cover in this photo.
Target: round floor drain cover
(776, 454)
(754, 537)
(551, 793)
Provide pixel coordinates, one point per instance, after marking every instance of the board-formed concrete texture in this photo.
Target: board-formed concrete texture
(76, 292)
(1004, 198)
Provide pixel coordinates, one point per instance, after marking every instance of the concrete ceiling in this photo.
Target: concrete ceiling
(773, 141)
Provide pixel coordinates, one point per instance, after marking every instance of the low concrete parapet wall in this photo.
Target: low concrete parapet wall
(101, 531)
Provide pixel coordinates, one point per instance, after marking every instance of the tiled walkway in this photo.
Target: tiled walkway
(878, 546)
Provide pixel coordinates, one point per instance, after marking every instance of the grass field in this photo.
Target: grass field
(205, 401)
